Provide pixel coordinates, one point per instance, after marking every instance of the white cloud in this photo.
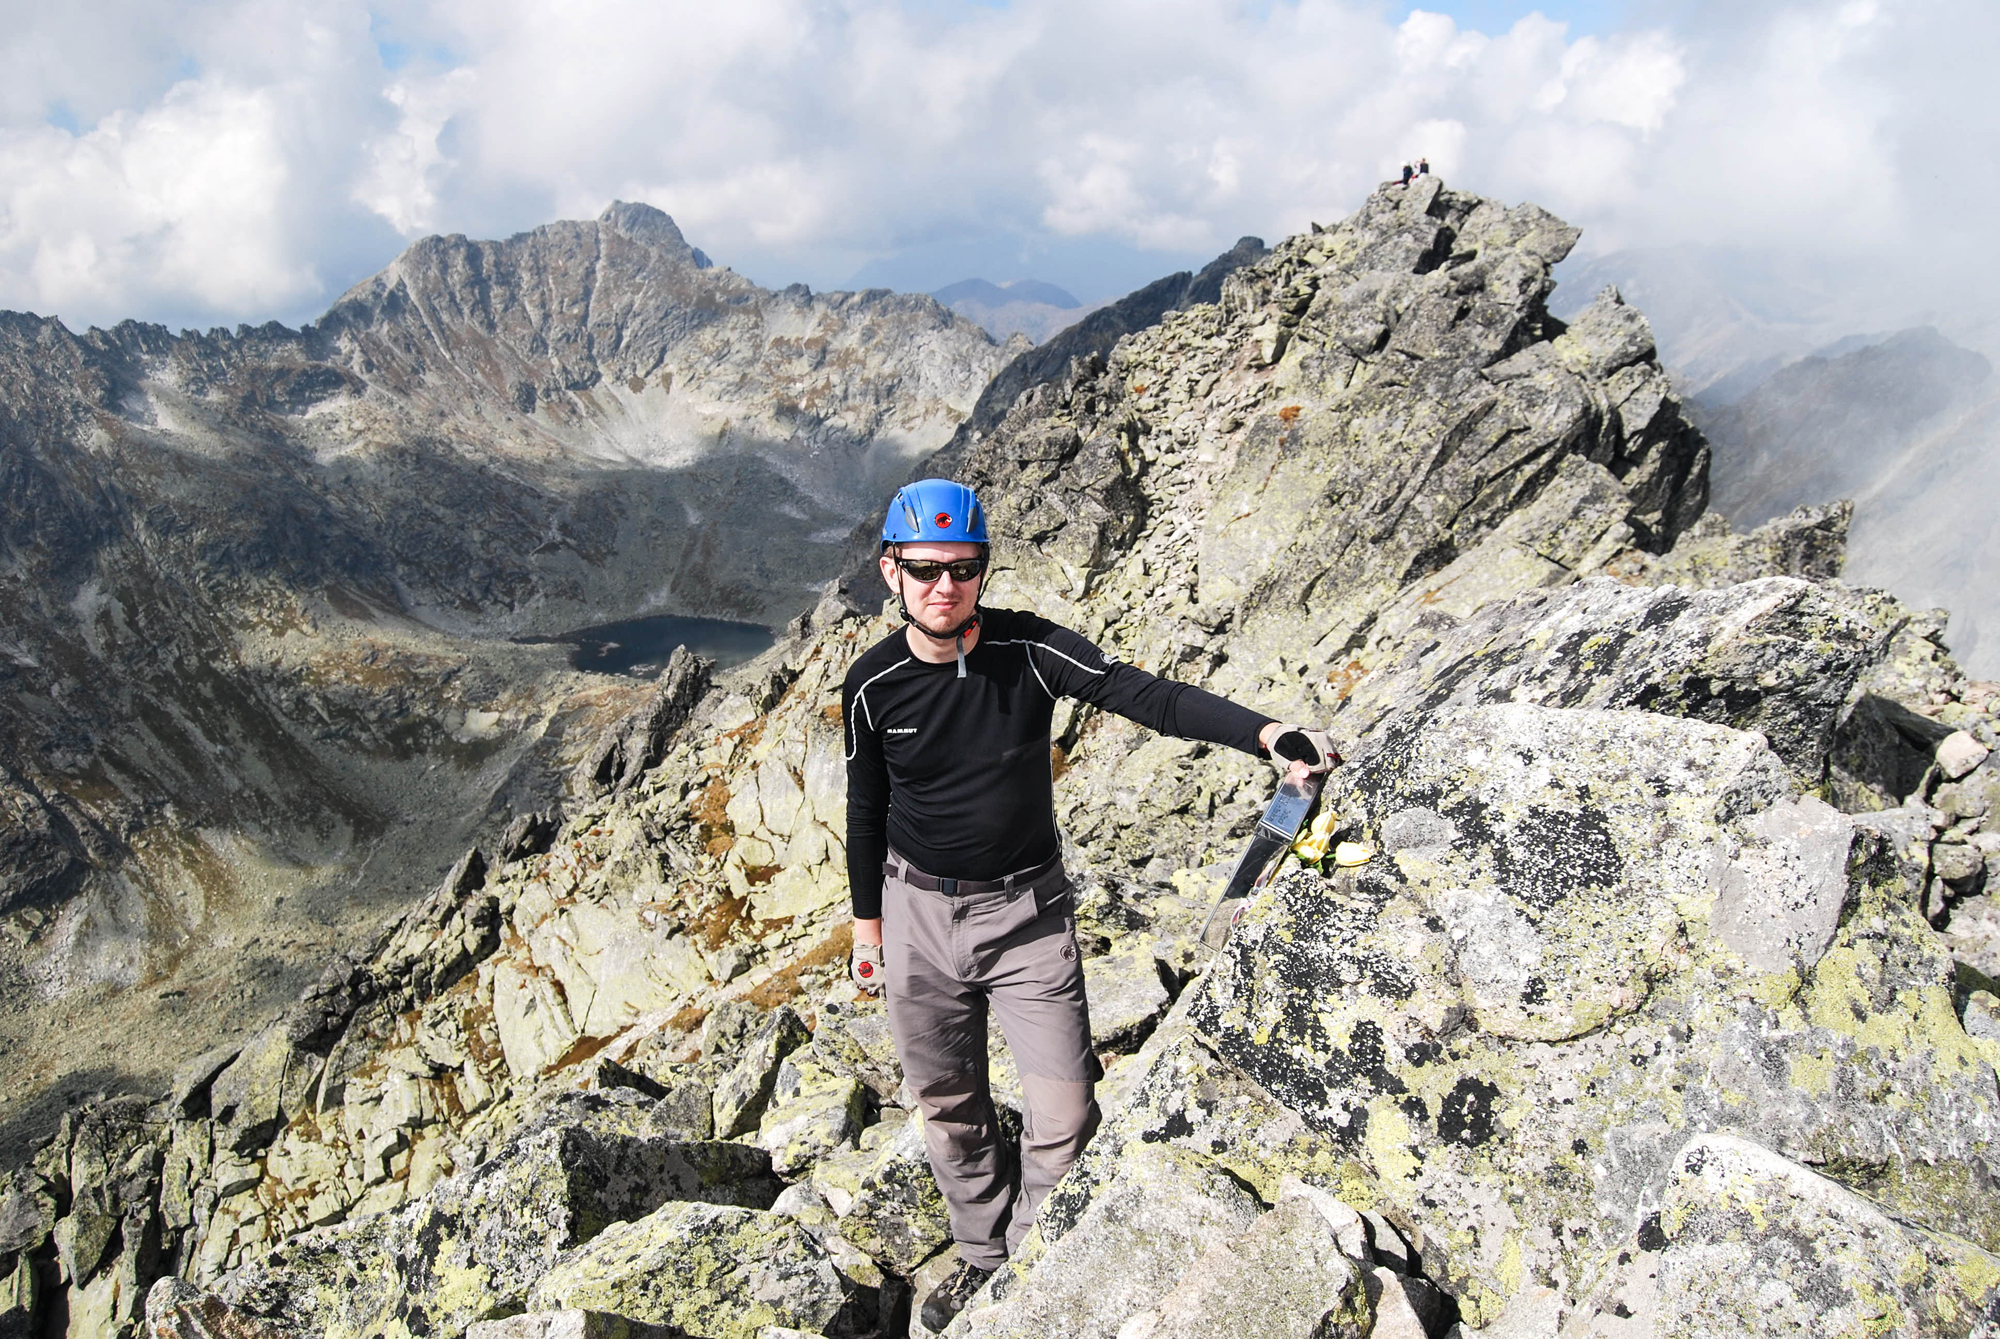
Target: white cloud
(219, 193)
(405, 164)
(247, 158)
(1631, 83)
(184, 196)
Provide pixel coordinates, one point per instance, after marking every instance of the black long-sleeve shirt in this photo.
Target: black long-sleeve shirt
(954, 773)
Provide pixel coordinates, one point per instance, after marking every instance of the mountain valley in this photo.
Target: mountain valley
(264, 590)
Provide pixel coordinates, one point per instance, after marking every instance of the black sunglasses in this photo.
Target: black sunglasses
(926, 571)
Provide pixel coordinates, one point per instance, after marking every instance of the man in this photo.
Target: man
(960, 898)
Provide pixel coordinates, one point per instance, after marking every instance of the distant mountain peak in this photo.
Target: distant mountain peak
(989, 294)
(444, 260)
(643, 223)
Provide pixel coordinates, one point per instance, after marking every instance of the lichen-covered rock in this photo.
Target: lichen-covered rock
(1284, 1278)
(896, 1213)
(1529, 1002)
(532, 1017)
(1190, 1098)
(819, 1119)
(742, 1092)
(1778, 656)
(1809, 542)
(1891, 731)
(177, 1310)
(254, 1094)
(1752, 1243)
(475, 1245)
(1127, 996)
(1781, 885)
(112, 1170)
(625, 750)
(1161, 1213)
(1548, 929)
(20, 1297)
(611, 966)
(713, 1271)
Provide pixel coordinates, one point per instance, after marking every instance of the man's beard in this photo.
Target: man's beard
(943, 631)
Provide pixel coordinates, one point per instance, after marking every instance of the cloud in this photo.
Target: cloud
(220, 193)
(249, 158)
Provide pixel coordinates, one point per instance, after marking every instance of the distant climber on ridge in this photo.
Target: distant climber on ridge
(961, 901)
(1423, 167)
(1407, 174)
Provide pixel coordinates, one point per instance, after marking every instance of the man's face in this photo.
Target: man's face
(937, 606)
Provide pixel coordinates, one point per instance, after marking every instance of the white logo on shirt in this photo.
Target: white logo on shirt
(902, 730)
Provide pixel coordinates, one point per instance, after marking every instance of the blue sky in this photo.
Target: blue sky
(1585, 18)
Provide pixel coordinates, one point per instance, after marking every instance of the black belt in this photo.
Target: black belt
(898, 868)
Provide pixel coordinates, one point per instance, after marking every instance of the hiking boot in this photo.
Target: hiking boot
(949, 1298)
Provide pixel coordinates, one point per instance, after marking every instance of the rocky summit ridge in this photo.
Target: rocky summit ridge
(1657, 1010)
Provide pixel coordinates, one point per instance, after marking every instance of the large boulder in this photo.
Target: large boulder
(1779, 656)
(1284, 1278)
(712, 1271)
(745, 1088)
(897, 1214)
(1161, 1213)
(475, 1245)
(1748, 1242)
(1592, 936)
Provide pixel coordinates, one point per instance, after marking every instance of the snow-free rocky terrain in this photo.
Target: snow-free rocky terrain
(257, 591)
(1644, 1019)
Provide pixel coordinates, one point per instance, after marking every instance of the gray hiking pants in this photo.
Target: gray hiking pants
(949, 958)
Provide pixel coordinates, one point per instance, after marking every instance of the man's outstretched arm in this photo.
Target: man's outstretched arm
(1072, 666)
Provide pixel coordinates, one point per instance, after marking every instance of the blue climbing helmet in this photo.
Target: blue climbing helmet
(935, 511)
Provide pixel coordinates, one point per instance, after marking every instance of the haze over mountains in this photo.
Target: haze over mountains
(1025, 306)
(1910, 429)
(1800, 407)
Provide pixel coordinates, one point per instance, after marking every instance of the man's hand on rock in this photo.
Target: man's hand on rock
(1292, 745)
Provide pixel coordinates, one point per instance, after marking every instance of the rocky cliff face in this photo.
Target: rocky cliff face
(1637, 1021)
(256, 588)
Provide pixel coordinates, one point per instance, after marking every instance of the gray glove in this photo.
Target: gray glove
(1300, 743)
(866, 969)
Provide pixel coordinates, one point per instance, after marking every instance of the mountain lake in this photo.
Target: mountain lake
(640, 646)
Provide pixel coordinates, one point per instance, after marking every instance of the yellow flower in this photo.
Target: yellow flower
(1311, 847)
(1349, 854)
